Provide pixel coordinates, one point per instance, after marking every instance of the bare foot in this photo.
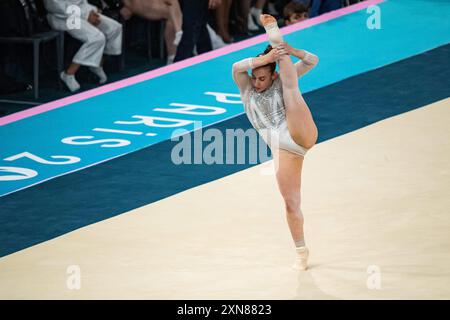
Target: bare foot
(267, 19)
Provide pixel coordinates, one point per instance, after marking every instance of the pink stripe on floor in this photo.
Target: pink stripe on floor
(182, 64)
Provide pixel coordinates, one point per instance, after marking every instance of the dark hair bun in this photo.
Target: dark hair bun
(272, 65)
(268, 49)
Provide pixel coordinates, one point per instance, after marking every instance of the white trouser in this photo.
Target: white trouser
(105, 38)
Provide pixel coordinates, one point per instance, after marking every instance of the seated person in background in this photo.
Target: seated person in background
(99, 34)
(294, 12)
(157, 10)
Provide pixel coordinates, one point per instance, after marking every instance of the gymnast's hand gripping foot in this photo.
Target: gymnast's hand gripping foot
(276, 109)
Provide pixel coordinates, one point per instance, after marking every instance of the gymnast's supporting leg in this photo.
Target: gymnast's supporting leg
(298, 116)
(288, 174)
(289, 165)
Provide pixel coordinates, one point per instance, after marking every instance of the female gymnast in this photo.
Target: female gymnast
(276, 109)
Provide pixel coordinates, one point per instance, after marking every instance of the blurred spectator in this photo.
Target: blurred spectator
(195, 31)
(187, 30)
(109, 8)
(245, 16)
(319, 7)
(253, 16)
(306, 3)
(156, 10)
(271, 8)
(242, 10)
(254, 24)
(216, 40)
(222, 14)
(294, 12)
(99, 34)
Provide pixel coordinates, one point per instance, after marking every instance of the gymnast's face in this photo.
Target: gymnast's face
(262, 78)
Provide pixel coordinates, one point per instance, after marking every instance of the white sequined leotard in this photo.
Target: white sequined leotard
(266, 111)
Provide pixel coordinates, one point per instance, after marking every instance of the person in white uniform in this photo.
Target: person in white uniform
(100, 35)
(276, 109)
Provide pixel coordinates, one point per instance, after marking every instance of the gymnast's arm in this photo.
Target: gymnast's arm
(240, 69)
(307, 61)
